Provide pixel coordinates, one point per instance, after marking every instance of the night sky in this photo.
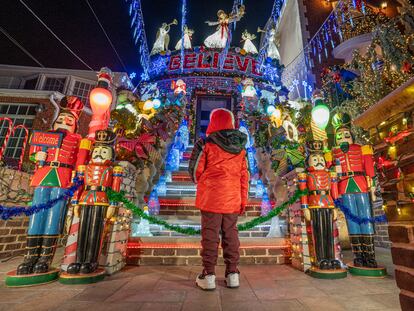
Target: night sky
(73, 22)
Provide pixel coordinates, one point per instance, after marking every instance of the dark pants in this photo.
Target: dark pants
(322, 227)
(211, 225)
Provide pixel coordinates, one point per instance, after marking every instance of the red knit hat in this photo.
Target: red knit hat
(220, 119)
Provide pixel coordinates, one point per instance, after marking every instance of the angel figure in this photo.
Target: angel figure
(218, 39)
(163, 39)
(272, 50)
(248, 44)
(188, 33)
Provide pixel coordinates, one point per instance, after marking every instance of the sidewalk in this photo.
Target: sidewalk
(263, 288)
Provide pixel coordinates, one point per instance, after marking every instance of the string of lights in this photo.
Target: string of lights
(183, 24)
(137, 23)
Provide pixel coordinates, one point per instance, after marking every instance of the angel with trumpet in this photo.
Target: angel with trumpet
(187, 39)
(248, 44)
(218, 40)
(163, 39)
(272, 50)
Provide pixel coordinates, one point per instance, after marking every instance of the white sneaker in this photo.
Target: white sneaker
(232, 280)
(207, 282)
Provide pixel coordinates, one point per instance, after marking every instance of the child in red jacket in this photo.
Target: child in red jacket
(218, 166)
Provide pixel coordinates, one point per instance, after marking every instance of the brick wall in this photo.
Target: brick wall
(14, 190)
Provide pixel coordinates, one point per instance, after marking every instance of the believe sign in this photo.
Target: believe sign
(208, 61)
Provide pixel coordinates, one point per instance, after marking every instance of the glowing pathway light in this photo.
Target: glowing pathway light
(100, 99)
(320, 112)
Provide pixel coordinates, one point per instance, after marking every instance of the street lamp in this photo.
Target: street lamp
(100, 99)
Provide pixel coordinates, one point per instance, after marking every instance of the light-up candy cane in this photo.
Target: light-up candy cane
(26, 137)
(6, 138)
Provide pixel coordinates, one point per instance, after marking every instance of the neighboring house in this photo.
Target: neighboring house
(29, 96)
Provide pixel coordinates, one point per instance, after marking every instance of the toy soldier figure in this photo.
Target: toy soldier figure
(92, 202)
(56, 154)
(355, 167)
(319, 206)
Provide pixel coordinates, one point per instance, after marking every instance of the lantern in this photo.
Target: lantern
(320, 115)
(100, 100)
(156, 103)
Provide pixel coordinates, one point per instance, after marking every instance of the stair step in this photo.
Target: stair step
(186, 251)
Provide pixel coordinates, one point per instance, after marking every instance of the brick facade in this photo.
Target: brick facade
(14, 190)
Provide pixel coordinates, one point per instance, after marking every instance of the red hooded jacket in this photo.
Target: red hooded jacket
(219, 168)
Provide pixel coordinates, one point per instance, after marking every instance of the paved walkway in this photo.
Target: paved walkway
(153, 288)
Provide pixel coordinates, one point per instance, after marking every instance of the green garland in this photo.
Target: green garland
(120, 197)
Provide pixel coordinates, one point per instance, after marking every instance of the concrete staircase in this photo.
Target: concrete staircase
(177, 206)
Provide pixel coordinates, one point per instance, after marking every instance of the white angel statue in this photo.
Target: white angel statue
(163, 39)
(187, 39)
(272, 50)
(248, 44)
(218, 39)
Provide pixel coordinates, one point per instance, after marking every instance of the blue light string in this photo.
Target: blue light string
(356, 219)
(7, 213)
(137, 20)
(183, 23)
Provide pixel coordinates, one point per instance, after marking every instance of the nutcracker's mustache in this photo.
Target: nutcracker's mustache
(319, 164)
(98, 157)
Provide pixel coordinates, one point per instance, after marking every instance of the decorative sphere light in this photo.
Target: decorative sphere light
(100, 100)
(320, 115)
(270, 109)
(277, 114)
(148, 105)
(156, 103)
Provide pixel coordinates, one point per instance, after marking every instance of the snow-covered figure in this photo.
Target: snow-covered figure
(163, 39)
(218, 39)
(272, 49)
(187, 39)
(248, 44)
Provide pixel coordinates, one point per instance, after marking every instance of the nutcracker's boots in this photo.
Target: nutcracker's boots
(357, 250)
(33, 245)
(46, 254)
(369, 251)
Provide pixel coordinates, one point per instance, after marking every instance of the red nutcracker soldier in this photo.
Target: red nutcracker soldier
(355, 166)
(318, 205)
(56, 153)
(92, 201)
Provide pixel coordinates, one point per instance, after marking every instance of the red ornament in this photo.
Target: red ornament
(406, 68)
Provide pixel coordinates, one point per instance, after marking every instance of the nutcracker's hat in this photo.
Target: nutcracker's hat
(314, 146)
(72, 105)
(341, 120)
(105, 138)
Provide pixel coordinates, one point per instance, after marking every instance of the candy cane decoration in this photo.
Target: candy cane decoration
(6, 138)
(71, 244)
(26, 137)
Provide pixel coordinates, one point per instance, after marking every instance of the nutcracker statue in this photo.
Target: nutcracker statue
(56, 153)
(355, 167)
(93, 207)
(319, 211)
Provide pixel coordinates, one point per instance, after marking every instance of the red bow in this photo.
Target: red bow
(159, 129)
(143, 145)
(224, 26)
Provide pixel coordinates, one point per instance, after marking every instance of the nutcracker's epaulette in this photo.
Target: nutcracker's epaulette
(367, 150)
(85, 144)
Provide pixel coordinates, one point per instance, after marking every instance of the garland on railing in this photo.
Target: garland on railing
(10, 212)
(356, 219)
(120, 197)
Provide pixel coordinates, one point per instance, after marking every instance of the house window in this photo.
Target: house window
(82, 90)
(19, 114)
(30, 84)
(54, 84)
